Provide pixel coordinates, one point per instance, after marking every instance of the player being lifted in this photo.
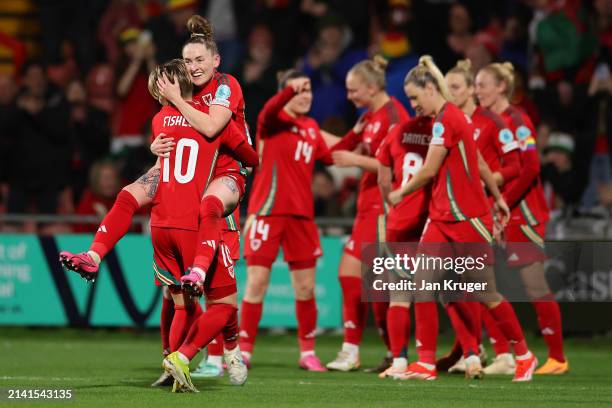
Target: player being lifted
(526, 230)
(281, 212)
(227, 186)
(458, 213)
(365, 84)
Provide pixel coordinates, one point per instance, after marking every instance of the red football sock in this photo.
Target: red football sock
(306, 313)
(549, 320)
(184, 318)
(230, 333)
(249, 323)
(398, 327)
(498, 340)
(215, 347)
(167, 314)
(464, 335)
(472, 316)
(206, 328)
(380, 318)
(115, 224)
(209, 235)
(178, 329)
(426, 316)
(510, 327)
(354, 311)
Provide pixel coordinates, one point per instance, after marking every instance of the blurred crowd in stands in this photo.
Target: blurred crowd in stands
(75, 115)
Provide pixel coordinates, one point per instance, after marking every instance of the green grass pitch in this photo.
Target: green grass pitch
(111, 369)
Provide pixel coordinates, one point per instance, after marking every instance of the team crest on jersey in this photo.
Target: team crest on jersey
(311, 133)
(373, 127)
(438, 130)
(255, 244)
(207, 99)
(523, 132)
(505, 136)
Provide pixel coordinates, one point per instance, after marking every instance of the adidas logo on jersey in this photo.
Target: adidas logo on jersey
(418, 343)
(243, 334)
(492, 340)
(349, 324)
(102, 228)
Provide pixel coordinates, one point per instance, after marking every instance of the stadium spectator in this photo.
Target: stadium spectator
(63, 20)
(222, 14)
(118, 16)
(257, 73)
(327, 63)
(8, 110)
(168, 29)
(90, 132)
(557, 168)
(98, 198)
(39, 162)
(326, 197)
(135, 107)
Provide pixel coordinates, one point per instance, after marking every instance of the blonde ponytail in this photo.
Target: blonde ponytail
(371, 71)
(427, 72)
(503, 72)
(464, 68)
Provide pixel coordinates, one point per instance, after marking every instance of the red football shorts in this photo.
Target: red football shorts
(525, 244)
(232, 240)
(298, 236)
(367, 229)
(408, 230)
(173, 253)
(472, 238)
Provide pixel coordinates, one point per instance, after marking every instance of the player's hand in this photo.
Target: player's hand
(299, 84)
(162, 145)
(344, 158)
(502, 210)
(498, 232)
(170, 91)
(358, 128)
(395, 197)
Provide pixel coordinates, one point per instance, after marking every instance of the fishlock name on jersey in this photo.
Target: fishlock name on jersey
(175, 121)
(416, 138)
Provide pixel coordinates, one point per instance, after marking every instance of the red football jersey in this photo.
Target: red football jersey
(525, 195)
(186, 173)
(404, 150)
(224, 89)
(288, 147)
(496, 144)
(457, 193)
(377, 126)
